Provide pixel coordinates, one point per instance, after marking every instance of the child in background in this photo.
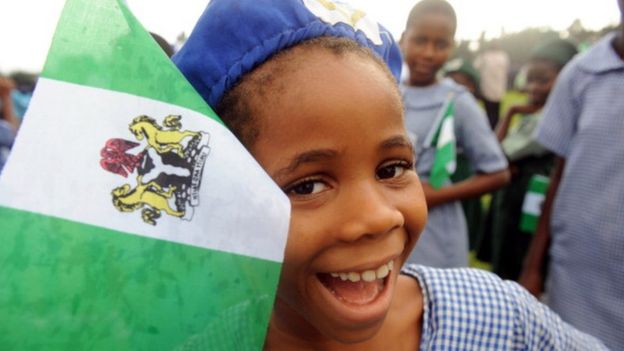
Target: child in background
(426, 44)
(527, 159)
(316, 102)
(583, 238)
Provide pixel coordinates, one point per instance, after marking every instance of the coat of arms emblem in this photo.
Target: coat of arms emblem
(167, 170)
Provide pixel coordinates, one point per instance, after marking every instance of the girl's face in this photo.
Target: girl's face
(334, 141)
(426, 45)
(541, 76)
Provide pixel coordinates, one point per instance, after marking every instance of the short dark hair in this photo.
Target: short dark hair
(236, 108)
(424, 7)
(163, 43)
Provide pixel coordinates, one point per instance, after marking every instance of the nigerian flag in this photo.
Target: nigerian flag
(130, 217)
(442, 138)
(533, 201)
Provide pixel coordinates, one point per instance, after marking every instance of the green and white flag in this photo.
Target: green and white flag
(533, 201)
(442, 137)
(130, 217)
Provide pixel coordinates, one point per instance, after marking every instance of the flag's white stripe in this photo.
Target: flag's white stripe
(55, 170)
(438, 120)
(447, 132)
(533, 203)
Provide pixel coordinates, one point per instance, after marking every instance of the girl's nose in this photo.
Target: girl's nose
(367, 211)
(428, 50)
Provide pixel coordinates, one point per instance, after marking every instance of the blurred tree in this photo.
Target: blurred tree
(463, 51)
(519, 45)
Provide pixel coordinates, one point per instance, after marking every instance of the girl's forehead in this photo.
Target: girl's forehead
(300, 75)
(433, 20)
(331, 102)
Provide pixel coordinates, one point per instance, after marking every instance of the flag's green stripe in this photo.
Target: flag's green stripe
(71, 286)
(528, 223)
(539, 184)
(101, 44)
(439, 173)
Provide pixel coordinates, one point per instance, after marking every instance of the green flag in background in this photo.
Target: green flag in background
(130, 217)
(443, 139)
(533, 200)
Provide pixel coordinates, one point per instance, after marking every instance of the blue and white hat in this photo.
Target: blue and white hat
(232, 37)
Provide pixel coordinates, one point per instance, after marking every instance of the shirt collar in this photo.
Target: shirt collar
(430, 96)
(602, 57)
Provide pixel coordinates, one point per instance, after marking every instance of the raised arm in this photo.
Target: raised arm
(502, 128)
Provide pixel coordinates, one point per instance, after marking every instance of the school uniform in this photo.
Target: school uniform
(444, 241)
(470, 309)
(583, 122)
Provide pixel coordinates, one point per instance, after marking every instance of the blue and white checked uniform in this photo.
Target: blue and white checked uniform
(444, 241)
(469, 309)
(583, 122)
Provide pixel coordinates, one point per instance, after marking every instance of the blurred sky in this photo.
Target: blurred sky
(27, 26)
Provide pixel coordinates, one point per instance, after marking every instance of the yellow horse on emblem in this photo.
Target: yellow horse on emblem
(150, 194)
(162, 140)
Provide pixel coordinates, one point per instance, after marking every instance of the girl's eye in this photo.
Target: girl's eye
(442, 45)
(306, 187)
(393, 170)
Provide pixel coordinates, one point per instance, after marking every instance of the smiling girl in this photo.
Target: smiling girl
(316, 102)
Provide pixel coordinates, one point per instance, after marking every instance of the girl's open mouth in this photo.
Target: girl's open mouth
(357, 288)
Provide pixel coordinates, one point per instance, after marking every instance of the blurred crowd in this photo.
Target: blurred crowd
(15, 93)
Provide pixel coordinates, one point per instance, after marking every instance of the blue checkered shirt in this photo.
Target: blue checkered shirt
(470, 309)
(583, 122)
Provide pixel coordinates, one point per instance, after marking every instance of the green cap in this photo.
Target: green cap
(462, 66)
(558, 50)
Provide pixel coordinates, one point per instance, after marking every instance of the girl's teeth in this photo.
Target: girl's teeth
(367, 276)
(354, 277)
(382, 271)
